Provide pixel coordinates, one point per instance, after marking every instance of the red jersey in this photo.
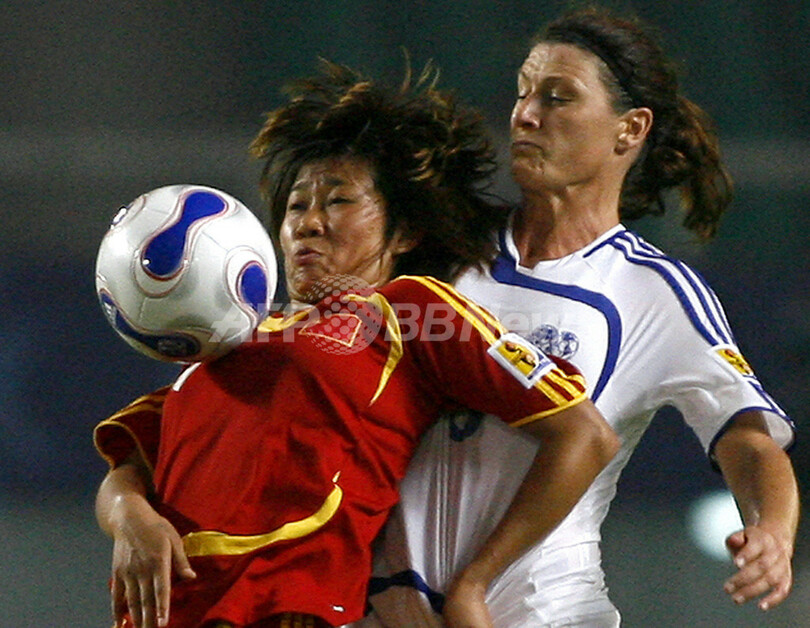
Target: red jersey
(279, 462)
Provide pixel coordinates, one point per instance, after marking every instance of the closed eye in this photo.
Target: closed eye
(555, 100)
(296, 206)
(340, 200)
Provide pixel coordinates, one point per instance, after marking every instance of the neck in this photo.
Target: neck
(547, 228)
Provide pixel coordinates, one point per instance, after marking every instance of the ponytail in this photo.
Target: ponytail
(683, 153)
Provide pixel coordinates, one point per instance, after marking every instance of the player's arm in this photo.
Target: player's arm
(145, 545)
(575, 445)
(761, 477)
(508, 376)
(707, 384)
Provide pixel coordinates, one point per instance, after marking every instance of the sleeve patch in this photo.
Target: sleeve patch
(729, 356)
(523, 360)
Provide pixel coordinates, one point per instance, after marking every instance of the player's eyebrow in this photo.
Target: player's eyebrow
(331, 180)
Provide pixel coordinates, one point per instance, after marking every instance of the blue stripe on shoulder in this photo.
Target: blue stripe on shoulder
(705, 294)
(503, 271)
(676, 274)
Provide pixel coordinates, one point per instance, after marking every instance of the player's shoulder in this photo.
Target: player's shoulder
(428, 298)
(646, 280)
(423, 288)
(626, 260)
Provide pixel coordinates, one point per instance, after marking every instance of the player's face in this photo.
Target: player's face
(334, 224)
(563, 127)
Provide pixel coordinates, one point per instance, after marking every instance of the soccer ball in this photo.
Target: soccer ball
(185, 273)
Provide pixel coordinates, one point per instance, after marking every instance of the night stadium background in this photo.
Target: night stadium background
(103, 101)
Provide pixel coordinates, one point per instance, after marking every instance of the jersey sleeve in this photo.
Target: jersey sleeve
(472, 359)
(136, 426)
(704, 374)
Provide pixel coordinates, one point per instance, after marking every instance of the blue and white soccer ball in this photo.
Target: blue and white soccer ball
(185, 273)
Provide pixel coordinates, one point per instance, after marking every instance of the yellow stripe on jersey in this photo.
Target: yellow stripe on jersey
(393, 335)
(549, 391)
(273, 324)
(574, 385)
(472, 305)
(152, 402)
(462, 306)
(215, 543)
(539, 415)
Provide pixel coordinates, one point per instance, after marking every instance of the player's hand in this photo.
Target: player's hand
(464, 606)
(763, 567)
(145, 550)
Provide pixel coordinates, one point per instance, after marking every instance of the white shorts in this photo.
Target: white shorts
(570, 591)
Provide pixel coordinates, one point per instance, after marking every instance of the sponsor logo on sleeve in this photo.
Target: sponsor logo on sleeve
(526, 362)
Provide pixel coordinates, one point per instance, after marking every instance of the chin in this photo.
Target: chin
(301, 288)
(527, 176)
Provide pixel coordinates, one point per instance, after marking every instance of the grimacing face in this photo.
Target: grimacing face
(564, 129)
(334, 224)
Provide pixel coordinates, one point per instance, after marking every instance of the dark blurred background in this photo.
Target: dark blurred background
(100, 102)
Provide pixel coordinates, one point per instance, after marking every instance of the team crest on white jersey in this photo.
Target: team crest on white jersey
(553, 341)
(526, 362)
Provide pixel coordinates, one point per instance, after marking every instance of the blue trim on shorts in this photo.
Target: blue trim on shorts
(471, 422)
(407, 578)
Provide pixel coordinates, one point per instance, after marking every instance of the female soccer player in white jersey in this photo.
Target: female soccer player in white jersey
(599, 131)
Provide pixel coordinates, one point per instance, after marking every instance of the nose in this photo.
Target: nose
(311, 221)
(526, 113)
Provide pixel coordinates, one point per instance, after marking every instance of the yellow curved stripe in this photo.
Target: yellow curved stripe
(393, 335)
(144, 406)
(212, 542)
(463, 306)
(551, 393)
(152, 402)
(544, 413)
(273, 324)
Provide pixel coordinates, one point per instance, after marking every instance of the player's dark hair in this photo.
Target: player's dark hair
(430, 156)
(682, 149)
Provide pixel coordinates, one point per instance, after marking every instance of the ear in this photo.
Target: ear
(403, 240)
(634, 126)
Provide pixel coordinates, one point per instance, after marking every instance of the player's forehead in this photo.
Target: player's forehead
(335, 171)
(557, 61)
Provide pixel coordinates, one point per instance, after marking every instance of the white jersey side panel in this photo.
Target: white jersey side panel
(646, 332)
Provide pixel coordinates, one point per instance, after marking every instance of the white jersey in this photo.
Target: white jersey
(646, 331)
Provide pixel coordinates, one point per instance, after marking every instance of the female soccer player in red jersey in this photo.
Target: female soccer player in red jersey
(262, 478)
